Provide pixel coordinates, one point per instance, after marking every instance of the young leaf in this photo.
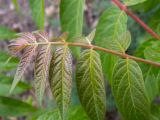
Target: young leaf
(60, 76)
(41, 70)
(132, 2)
(25, 59)
(73, 25)
(129, 91)
(24, 62)
(90, 84)
(38, 13)
(112, 24)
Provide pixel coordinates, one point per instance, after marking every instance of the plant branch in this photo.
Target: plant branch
(138, 20)
(122, 55)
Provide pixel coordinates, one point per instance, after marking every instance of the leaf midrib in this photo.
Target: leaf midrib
(128, 72)
(44, 66)
(62, 82)
(91, 78)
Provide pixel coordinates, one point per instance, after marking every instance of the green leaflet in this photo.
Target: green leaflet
(152, 52)
(10, 65)
(75, 113)
(13, 107)
(90, 84)
(133, 2)
(129, 91)
(108, 62)
(152, 81)
(5, 85)
(6, 33)
(38, 13)
(71, 13)
(141, 48)
(51, 115)
(111, 26)
(110, 33)
(151, 74)
(60, 76)
(155, 110)
(41, 71)
(71, 16)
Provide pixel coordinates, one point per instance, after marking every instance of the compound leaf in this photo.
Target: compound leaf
(60, 76)
(90, 84)
(129, 91)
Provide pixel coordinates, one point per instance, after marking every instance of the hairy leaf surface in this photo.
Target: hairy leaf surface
(41, 70)
(90, 84)
(24, 62)
(129, 91)
(42, 65)
(37, 8)
(60, 76)
(110, 33)
(25, 59)
(132, 2)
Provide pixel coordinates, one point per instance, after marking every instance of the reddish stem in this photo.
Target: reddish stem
(146, 27)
